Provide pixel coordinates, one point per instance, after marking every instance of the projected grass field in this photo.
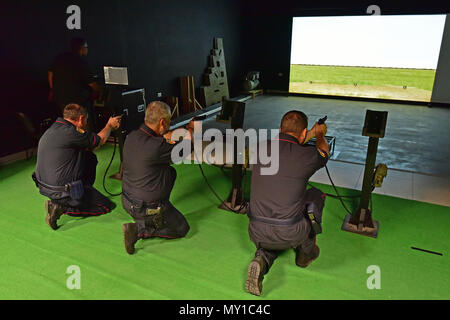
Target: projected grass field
(381, 83)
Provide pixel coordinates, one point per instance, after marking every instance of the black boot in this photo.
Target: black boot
(54, 212)
(303, 260)
(256, 271)
(130, 236)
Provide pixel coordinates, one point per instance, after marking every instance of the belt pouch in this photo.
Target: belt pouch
(76, 190)
(157, 216)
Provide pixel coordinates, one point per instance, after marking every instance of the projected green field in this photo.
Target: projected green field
(391, 57)
(368, 82)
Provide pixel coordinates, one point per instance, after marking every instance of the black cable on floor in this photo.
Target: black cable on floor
(339, 197)
(216, 195)
(337, 193)
(107, 168)
(214, 192)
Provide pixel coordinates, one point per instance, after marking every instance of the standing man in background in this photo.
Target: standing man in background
(71, 81)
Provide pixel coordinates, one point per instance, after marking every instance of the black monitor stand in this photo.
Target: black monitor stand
(233, 112)
(130, 103)
(361, 221)
(113, 101)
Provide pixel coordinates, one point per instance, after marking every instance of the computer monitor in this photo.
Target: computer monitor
(375, 124)
(116, 75)
(233, 113)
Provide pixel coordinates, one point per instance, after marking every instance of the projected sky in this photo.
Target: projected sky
(370, 41)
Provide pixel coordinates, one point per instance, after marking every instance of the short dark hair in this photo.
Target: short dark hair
(73, 111)
(77, 43)
(294, 121)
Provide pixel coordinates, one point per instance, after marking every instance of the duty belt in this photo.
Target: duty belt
(276, 222)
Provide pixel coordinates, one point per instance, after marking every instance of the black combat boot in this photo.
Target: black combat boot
(256, 271)
(303, 260)
(130, 236)
(54, 212)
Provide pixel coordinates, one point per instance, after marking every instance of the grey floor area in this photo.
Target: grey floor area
(417, 137)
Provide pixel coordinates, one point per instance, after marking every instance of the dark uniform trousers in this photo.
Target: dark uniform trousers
(92, 203)
(174, 224)
(302, 239)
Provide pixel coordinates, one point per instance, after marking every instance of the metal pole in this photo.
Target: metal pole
(368, 172)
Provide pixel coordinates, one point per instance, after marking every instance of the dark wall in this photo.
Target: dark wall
(158, 40)
(269, 29)
(174, 39)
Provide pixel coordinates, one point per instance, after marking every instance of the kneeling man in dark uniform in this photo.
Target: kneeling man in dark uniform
(66, 166)
(148, 179)
(283, 214)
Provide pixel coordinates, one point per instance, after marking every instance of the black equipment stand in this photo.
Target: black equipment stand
(361, 221)
(130, 103)
(233, 111)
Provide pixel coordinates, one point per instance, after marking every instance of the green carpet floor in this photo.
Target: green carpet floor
(211, 262)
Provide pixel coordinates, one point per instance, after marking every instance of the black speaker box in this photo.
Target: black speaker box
(375, 124)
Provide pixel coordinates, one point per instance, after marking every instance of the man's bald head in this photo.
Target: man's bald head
(294, 122)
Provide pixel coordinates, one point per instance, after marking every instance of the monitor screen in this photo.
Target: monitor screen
(116, 75)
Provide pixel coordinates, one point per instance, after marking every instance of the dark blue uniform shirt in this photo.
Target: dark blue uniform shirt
(280, 196)
(147, 171)
(61, 153)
